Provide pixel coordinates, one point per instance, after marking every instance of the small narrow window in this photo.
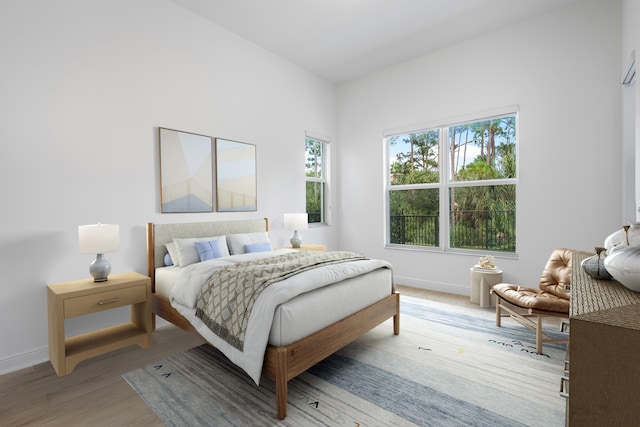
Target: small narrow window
(316, 180)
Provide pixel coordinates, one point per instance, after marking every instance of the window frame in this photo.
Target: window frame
(323, 179)
(446, 182)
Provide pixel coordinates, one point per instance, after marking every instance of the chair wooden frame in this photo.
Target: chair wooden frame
(529, 318)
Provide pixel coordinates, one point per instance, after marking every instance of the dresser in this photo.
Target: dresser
(604, 367)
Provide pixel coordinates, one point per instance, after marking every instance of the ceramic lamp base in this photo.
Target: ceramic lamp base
(296, 239)
(100, 268)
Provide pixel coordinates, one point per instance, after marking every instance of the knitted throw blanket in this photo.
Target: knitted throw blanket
(227, 298)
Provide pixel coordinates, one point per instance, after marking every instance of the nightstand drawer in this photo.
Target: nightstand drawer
(104, 301)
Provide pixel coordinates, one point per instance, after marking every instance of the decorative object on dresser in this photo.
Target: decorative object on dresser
(594, 265)
(551, 299)
(81, 297)
(295, 222)
(303, 317)
(623, 256)
(99, 239)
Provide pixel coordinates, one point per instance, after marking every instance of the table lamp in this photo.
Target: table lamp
(99, 239)
(295, 222)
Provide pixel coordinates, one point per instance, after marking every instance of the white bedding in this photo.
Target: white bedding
(190, 279)
(292, 320)
(312, 311)
(165, 278)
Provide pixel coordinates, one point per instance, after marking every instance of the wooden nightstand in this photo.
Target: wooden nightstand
(308, 247)
(71, 299)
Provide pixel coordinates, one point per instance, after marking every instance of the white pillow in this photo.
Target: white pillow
(173, 253)
(187, 252)
(236, 242)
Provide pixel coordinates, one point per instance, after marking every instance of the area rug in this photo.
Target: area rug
(450, 366)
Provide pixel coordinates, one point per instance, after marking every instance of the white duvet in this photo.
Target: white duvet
(184, 296)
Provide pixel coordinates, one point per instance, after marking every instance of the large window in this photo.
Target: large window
(466, 170)
(315, 166)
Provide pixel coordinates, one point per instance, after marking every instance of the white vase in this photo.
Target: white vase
(623, 263)
(634, 234)
(619, 237)
(614, 239)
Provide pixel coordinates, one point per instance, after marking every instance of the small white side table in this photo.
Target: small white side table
(481, 283)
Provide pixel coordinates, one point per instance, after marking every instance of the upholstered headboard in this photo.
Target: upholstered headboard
(158, 235)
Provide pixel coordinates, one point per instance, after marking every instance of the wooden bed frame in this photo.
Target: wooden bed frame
(280, 363)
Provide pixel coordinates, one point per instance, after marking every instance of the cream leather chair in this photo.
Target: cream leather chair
(530, 306)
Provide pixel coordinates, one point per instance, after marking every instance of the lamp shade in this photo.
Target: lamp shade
(295, 221)
(98, 238)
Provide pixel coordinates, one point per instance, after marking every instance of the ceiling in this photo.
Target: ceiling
(343, 39)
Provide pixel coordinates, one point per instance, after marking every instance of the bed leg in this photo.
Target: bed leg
(281, 382)
(396, 324)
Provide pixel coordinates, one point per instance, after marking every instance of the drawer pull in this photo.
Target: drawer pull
(109, 301)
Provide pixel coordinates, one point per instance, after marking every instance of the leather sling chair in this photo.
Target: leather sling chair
(530, 306)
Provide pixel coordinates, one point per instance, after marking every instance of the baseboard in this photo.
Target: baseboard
(24, 360)
(450, 288)
(41, 355)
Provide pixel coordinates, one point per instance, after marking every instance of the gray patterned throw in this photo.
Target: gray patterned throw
(225, 301)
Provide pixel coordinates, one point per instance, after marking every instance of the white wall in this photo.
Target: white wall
(563, 71)
(84, 86)
(631, 107)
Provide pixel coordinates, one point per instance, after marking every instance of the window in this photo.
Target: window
(316, 179)
(466, 169)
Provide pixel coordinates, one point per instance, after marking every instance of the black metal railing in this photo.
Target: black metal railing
(468, 229)
(416, 230)
(314, 217)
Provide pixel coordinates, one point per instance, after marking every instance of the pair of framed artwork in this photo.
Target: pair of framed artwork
(188, 164)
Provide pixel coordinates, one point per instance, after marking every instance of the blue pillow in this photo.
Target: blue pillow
(167, 260)
(257, 247)
(208, 250)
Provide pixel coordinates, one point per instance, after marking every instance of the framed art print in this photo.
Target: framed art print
(236, 176)
(186, 172)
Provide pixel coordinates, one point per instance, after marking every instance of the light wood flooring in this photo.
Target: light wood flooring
(95, 394)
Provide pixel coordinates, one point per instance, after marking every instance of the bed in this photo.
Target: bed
(303, 331)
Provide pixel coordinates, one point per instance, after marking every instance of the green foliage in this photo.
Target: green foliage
(478, 170)
(507, 167)
(314, 168)
(419, 163)
(315, 195)
(314, 158)
(414, 202)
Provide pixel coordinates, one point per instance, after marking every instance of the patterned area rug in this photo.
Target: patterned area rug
(450, 366)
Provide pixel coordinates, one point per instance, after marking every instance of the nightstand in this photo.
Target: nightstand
(77, 298)
(308, 247)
